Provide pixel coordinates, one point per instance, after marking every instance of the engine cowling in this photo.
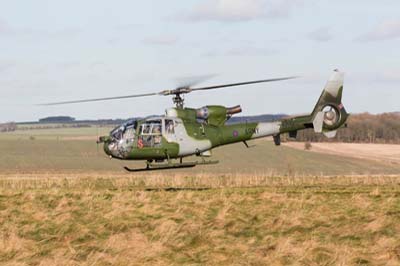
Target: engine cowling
(215, 114)
(212, 114)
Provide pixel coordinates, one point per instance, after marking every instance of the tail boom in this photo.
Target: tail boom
(327, 116)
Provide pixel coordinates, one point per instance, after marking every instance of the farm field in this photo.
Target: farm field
(376, 152)
(62, 202)
(75, 150)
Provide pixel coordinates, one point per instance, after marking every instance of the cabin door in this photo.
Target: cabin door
(169, 130)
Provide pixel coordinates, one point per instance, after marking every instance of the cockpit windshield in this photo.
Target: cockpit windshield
(126, 130)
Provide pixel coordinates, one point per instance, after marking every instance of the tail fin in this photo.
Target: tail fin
(329, 113)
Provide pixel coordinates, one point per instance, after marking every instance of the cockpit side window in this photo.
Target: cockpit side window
(146, 129)
(150, 134)
(151, 128)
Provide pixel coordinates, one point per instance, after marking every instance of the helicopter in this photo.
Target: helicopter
(163, 141)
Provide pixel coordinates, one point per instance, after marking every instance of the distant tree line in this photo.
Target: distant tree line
(363, 128)
(57, 119)
(8, 127)
(53, 126)
(67, 120)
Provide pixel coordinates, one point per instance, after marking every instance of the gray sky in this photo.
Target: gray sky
(66, 50)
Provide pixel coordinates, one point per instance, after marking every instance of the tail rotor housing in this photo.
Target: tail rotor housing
(329, 113)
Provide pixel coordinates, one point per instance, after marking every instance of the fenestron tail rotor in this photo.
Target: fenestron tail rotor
(177, 92)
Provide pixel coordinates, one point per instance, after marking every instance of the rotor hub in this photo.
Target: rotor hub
(178, 100)
(331, 115)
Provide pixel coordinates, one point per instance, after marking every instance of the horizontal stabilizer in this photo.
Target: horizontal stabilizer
(330, 134)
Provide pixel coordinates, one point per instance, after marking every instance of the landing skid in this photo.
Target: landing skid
(166, 166)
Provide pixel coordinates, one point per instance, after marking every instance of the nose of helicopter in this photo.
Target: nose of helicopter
(107, 149)
(106, 141)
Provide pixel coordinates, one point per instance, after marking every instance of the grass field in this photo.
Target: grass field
(124, 221)
(75, 150)
(64, 203)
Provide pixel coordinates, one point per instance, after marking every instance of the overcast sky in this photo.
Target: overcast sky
(66, 50)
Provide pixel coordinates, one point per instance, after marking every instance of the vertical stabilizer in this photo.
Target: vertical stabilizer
(329, 113)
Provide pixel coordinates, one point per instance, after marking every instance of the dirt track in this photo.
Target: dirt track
(380, 152)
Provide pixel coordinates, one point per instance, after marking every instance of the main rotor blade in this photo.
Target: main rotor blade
(190, 81)
(102, 99)
(181, 90)
(240, 84)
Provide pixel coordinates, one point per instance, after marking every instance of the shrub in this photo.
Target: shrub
(307, 145)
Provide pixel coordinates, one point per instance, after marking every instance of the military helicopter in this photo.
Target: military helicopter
(163, 141)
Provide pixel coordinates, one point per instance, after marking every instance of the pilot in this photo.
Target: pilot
(157, 140)
(156, 129)
(146, 129)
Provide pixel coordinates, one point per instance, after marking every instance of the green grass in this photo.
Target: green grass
(74, 149)
(46, 155)
(101, 221)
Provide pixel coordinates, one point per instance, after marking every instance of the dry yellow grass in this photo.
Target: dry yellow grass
(94, 219)
(165, 180)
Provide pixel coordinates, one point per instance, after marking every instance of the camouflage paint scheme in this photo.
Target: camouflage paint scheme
(197, 131)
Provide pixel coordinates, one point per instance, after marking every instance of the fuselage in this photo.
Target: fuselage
(171, 137)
